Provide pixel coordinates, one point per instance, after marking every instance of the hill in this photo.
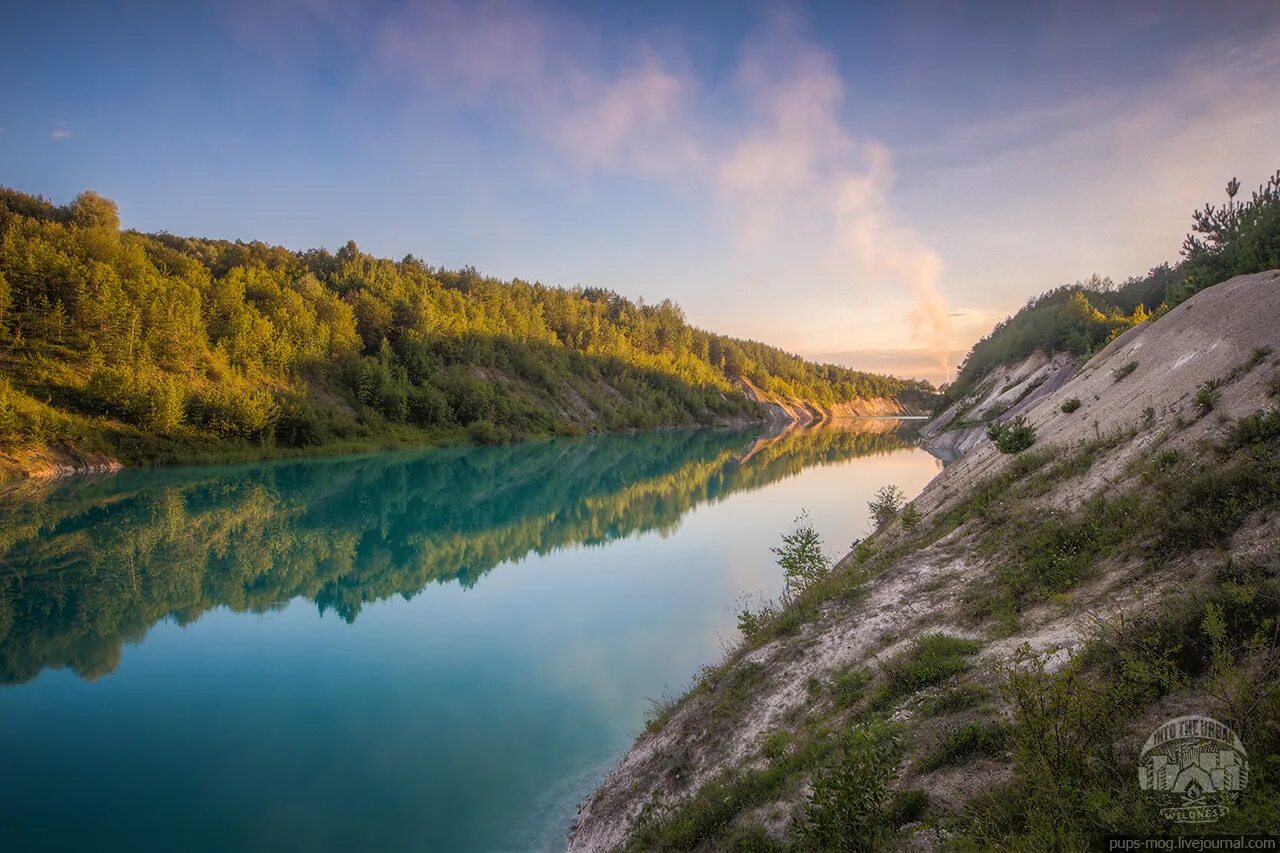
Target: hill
(982, 672)
(117, 347)
(1079, 319)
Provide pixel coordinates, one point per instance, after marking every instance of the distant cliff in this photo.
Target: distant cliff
(911, 402)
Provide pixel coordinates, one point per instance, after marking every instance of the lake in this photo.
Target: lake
(427, 650)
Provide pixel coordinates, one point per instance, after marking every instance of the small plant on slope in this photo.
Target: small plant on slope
(1071, 405)
(801, 557)
(1121, 372)
(1206, 398)
(885, 505)
(910, 517)
(1012, 437)
(849, 806)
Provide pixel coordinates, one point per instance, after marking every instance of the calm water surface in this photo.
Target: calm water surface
(437, 650)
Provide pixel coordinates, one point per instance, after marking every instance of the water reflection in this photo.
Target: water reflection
(89, 565)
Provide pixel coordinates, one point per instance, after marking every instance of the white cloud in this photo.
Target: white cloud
(60, 133)
(792, 185)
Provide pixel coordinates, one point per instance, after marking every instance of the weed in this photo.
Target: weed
(849, 808)
(930, 659)
(961, 745)
(953, 699)
(1121, 372)
(1014, 436)
(1206, 398)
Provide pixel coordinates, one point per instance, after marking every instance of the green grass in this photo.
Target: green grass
(705, 817)
(959, 746)
(929, 660)
(957, 698)
(848, 686)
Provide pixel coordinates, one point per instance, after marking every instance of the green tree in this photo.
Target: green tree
(801, 556)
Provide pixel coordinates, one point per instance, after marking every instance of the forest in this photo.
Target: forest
(159, 348)
(1235, 238)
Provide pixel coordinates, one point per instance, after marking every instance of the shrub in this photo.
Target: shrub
(849, 806)
(1206, 398)
(300, 423)
(143, 396)
(907, 806)
(910, 517)
(1014, 436)
(428, 406)
(929, 660)
(1255, 429)
(10, 424)
(848, 686)
(957, 698)
(885, 505)
(801, 557)
(752, 622)
(1061, 721)
(233, 412)
(958, 747)
(1121, 372)
(485, 432)
(1071, 405)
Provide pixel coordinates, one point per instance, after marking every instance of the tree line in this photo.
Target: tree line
(143, 342)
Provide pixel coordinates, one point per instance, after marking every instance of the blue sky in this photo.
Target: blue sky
(875, 184)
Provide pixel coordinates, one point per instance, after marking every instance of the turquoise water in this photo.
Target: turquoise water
(435, 650)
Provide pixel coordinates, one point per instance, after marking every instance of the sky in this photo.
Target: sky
(871, 184)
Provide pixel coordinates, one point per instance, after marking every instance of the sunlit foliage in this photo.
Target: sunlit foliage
(103, 330)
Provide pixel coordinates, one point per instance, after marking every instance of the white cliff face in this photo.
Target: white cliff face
(1004, 393)
(786, 410)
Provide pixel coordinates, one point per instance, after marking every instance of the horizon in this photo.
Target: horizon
(797, 175)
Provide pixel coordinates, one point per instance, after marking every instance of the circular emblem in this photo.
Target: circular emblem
(1196, 765)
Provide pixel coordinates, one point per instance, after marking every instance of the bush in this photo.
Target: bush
(910, 517)
(957, 698)
(801, 557)
(485, 432)
(300, 423)
(885, 505)
(1206, 398)
(1071, 405)
(10, 423)
(142, 396)
(233, 412)
(1062, 722)
(929, 660)
(958, 747)
(849, 806)
(848, 686)
(428, 406)
(1121, 372)
(1255, 429)
(1014, 436)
